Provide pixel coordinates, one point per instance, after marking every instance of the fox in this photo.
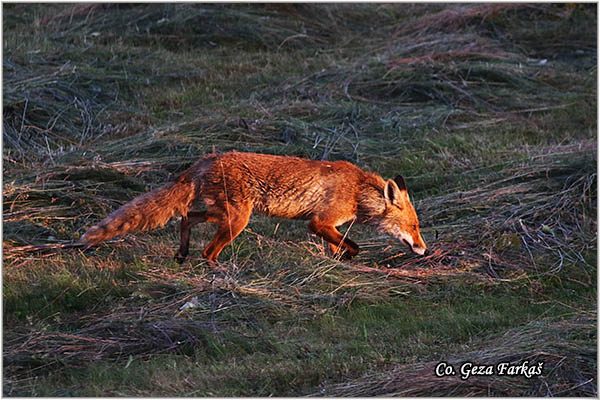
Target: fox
(226, 188)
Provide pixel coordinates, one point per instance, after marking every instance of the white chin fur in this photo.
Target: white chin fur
(418, 250)
(407, 240)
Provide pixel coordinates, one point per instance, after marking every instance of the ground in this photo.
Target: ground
(488, 110)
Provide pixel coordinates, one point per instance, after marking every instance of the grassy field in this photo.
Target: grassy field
(488, 110)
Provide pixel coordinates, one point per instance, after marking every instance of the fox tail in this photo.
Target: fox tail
(146, 212)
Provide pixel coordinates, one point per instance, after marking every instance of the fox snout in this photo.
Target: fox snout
(420, 250)
(417, 247)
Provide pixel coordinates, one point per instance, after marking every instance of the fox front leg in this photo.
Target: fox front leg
(337, 241)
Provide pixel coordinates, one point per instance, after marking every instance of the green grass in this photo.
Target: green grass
(292, 355)
(490, 117)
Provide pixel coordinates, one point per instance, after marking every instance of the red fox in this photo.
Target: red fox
(231, 186)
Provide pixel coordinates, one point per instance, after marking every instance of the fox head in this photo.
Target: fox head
(399, 218)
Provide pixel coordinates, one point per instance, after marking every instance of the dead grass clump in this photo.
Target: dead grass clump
(543, 209)
(561, 32)
(461, 78)
(455, 16)
(51, 113)
(564, 347)
(47, 208)
(181, 27)
(104, 340)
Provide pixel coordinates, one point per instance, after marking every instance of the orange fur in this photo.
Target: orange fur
(231, 186)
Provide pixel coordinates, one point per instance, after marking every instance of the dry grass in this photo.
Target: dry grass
(529, 220)
(452, 18)
(528, 210)
(491, 119)
(569, 367)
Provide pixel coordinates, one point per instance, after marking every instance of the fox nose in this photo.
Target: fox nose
(427, 252)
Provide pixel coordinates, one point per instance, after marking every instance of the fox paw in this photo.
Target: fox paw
(343, 255)
(180, 258)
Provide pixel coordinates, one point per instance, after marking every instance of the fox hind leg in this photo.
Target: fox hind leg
(231, 224)
(193, 218)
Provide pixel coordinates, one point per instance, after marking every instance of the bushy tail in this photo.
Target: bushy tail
(145, 212)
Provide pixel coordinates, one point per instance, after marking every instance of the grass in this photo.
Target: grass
(491, 119)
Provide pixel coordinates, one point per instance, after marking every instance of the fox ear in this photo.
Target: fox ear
(399, 179)
(392, 192)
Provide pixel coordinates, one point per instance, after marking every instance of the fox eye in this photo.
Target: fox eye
(415, 227)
